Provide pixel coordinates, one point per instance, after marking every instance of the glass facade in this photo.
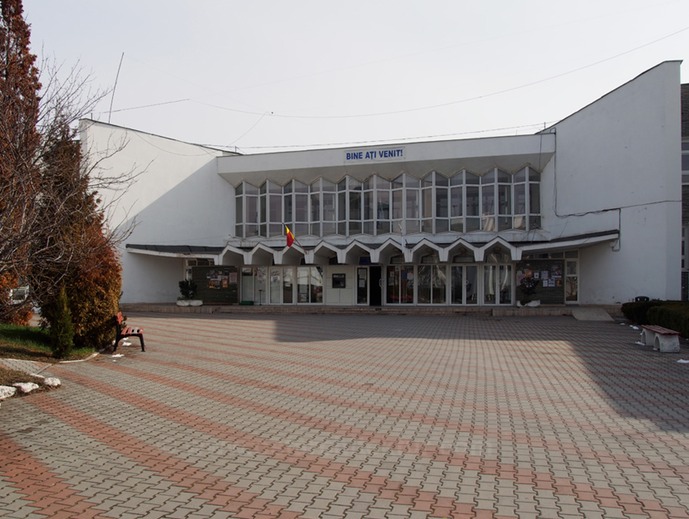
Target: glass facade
(464, 202)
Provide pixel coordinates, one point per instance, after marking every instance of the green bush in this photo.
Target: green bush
(672, 315)
(638, 310)
(668, 314)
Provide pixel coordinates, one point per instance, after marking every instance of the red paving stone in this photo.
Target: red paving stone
(359, 416)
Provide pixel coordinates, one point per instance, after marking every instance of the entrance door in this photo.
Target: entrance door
(376, 285)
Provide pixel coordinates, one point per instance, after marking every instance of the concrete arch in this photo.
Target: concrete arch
(261, 255)
(233, 256)
(496, 245)
(383, 253)
(324, 252)
(426, 245)
(462, 246)
(354, 251)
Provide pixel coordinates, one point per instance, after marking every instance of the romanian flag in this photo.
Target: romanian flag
(290, 236)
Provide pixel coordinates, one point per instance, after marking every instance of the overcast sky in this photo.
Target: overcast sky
(266, 75)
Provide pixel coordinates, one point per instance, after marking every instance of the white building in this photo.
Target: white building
(589, 208)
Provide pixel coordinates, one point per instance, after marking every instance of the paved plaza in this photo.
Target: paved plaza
(353, 416)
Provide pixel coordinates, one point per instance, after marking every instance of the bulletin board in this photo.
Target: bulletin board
(216, 284)
(548, 276)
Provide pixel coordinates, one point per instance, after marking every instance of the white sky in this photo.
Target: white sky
(262, 75)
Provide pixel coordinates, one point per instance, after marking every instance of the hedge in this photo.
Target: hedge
(669, 314)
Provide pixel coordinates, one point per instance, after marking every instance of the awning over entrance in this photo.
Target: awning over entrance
(323, 252)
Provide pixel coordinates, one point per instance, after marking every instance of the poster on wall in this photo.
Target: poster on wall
(540, 280)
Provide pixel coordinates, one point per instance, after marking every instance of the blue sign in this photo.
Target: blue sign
(372, 155)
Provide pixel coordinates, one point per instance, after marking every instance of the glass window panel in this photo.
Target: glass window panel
(534, 176)
(397, 204)
(412, 181)
(239, 210)
(425, 273)
(315, 207)
(383, 205)
(572, 288)
(329, 228)
(412, 201)
(392, 295)
(275, 208)
(457, 224)
(355, 206)
(288, 203)
(504, 199)
(288, 286)
(503, 176)
(505, 284)
(427, 181)
(407, 284)
(441, 202)
(250, 190)
(534, 198)
(250, 229)
(342, 206)
(456, 202)
(457, 284)
(488, 177)
(368, 205)
(520, 199)
(457, 179)
(382, 227)
(275, 285)
(490, 273)
(398, 182)
(300, 187)
(471, 284)
(263, 210)
(412, 226)
(441, 180)
(472, 224)
(427, 203)
(251, 209)
(381, 183)
(329, 207)
(303, 291)
(316, 284)
(301, 207)
(472, 178)
(488, 200)
(438, 286)
(504, 223)
(472, 201)
(520, 176)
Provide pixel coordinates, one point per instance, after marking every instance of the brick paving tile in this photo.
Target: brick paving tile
(356, 416)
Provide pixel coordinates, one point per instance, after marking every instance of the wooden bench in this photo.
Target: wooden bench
(662, 339)
(124, 331)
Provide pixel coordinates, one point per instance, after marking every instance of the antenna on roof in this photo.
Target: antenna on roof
(112, 98)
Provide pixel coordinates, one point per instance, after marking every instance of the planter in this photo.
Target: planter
(531, 304)
(189, 302)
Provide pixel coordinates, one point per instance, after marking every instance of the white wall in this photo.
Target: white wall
(177, 199)
(617, 166)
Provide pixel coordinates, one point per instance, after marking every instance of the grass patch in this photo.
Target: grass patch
(28, 343)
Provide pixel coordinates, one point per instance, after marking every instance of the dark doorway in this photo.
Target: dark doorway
(376, 286)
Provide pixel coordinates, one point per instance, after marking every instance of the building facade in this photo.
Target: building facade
(587, 211)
